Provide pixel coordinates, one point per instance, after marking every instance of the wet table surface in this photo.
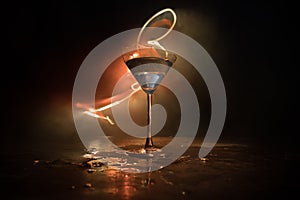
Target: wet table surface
(230, 171)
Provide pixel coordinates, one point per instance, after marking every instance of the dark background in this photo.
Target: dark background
(46, 42)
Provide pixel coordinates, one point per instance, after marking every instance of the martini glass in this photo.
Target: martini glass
(149, 65)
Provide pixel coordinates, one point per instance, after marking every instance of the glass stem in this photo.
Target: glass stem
(149, 142)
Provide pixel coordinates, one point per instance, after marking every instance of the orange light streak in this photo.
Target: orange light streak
(115, 100)
(119, 98)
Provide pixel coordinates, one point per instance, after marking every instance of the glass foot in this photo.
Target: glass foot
(152, 149)
(149, 143)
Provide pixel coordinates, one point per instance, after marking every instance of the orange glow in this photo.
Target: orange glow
(118, 68)
(166, 23)
(106, 85)
(108, 103)
(121, 184)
